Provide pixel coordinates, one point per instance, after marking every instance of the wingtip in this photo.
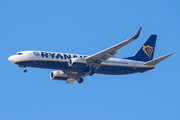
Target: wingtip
(170, 54)
(137, 34)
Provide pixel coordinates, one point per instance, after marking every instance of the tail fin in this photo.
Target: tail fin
(146, 52)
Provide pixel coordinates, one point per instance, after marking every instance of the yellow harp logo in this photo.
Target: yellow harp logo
(148, 50)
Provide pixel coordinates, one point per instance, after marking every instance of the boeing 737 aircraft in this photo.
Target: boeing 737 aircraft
(73, 67)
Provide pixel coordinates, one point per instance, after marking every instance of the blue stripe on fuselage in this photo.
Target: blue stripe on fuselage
(103, 69)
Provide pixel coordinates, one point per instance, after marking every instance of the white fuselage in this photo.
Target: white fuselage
(59, 61)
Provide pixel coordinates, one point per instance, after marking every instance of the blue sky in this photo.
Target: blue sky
(87, 27)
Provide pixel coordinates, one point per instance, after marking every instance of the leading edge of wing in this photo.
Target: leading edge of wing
(112, 50)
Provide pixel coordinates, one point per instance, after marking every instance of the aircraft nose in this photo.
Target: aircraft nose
(11, 58)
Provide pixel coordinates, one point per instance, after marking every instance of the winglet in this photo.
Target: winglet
(137, 34)
(157, 60)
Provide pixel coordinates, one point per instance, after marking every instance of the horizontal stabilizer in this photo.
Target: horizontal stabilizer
(157, 60)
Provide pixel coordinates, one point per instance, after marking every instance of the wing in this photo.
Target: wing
(95, 60)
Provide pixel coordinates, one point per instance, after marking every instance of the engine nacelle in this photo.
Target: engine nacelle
(77, 62)
(58, 75)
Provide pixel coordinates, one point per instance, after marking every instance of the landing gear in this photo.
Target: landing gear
(91, 71)
(25, 70)
(80, 80)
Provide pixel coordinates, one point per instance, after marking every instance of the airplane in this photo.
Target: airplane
(75, 67)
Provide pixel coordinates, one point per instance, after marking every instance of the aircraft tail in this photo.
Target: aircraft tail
(157, 60)
(146, 52)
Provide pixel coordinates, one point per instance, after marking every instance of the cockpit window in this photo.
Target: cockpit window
(18, 53)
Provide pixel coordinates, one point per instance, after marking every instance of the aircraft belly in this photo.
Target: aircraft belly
(120, 70)
(44, 64)
(103, 69)
(50, 65)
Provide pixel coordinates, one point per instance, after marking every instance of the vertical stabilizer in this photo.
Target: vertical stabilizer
(146, 52)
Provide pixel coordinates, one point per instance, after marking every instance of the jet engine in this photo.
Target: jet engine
(77, 62)
(58, 75)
